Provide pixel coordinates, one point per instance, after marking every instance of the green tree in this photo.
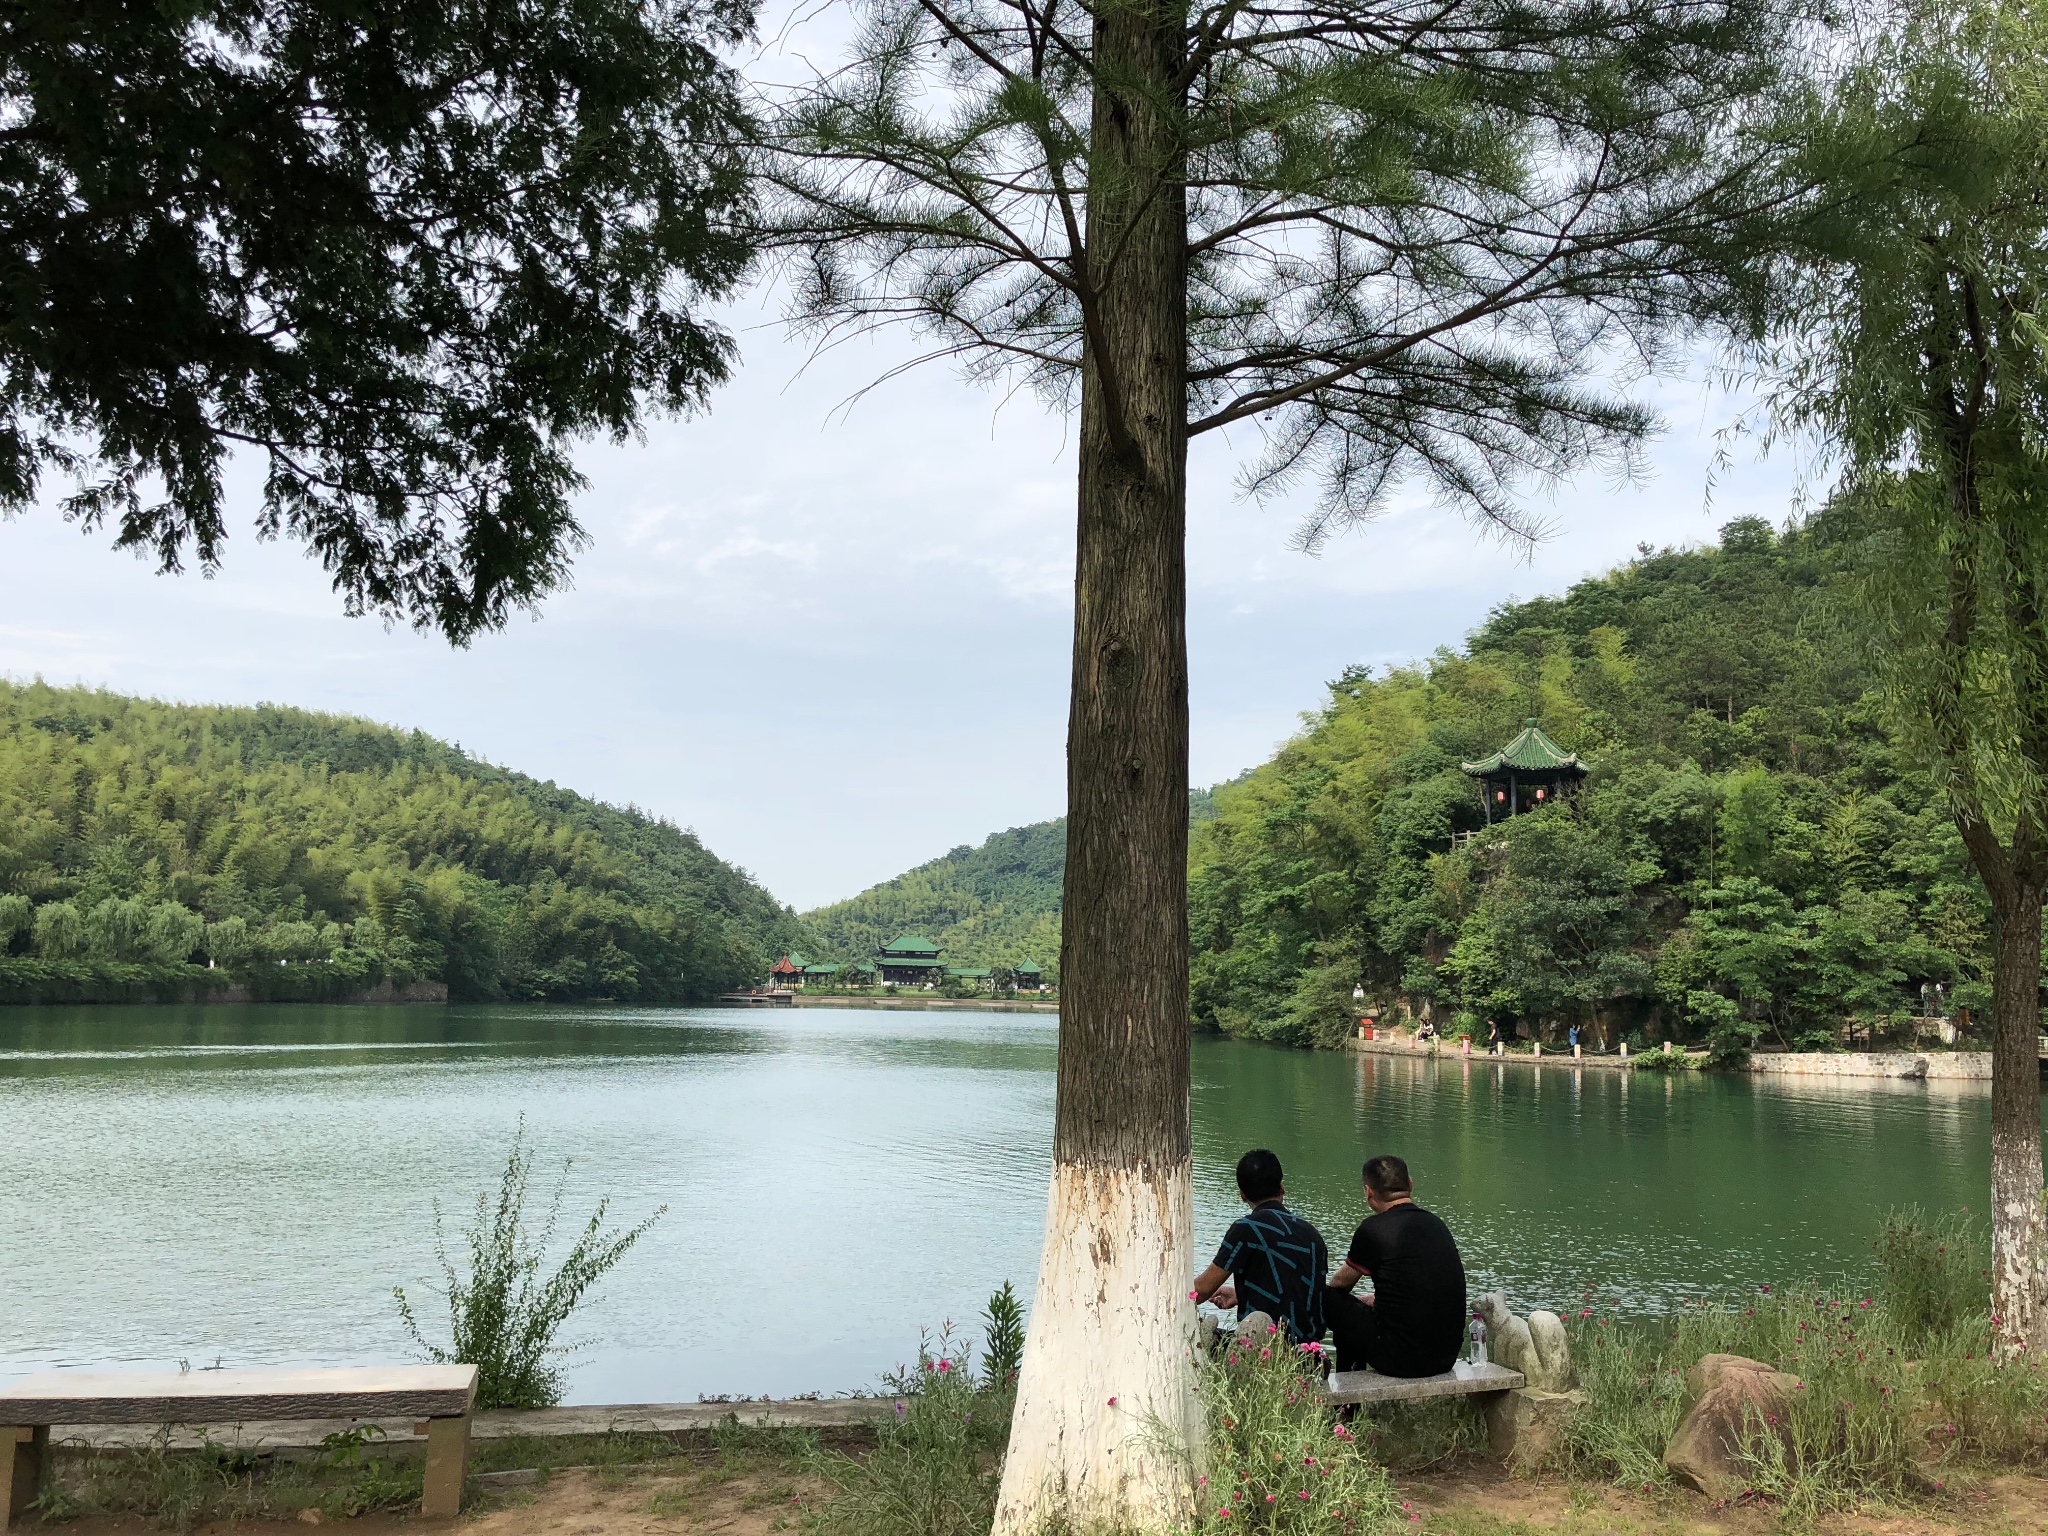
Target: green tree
(17, 918)
(172, 933)
(60, 931)
(1553, 939)
(1399, 239)
(403, 253)
(1912, 341)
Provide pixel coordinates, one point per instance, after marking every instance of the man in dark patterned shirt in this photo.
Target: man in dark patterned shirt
(1276, 1262)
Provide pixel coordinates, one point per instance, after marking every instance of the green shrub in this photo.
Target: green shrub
(1280, 1459)
(1931, 1272)
(1002, 1342)
(503, 1317)
(936, 1467)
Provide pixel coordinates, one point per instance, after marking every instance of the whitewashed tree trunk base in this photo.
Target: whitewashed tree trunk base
(1106, 1388)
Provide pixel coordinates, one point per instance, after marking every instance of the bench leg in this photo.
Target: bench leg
(447, 1465)
(24, 1454)
(1503, 1423)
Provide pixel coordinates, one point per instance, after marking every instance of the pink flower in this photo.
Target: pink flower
(1302, 1494)
(1224, 1512)
(945, 1365)
(1312, 1348)
(1272, 1327)
(1201, 1482)
(1112, 1402)
(1265, 1354)
(1270, 1498)
(1342, 1433)
(1585, 1312)
(1767, 1291)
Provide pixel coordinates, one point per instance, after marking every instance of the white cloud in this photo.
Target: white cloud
(833, 639)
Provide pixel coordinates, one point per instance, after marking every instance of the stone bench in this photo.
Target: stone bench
(1488, 1386)
(438, 1397)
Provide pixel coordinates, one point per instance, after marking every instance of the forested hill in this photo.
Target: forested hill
(140, 841)
(1750, 857)
(998, 904)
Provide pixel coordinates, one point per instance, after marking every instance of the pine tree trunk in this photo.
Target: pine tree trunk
(1105, 1365)
(2019, 1245)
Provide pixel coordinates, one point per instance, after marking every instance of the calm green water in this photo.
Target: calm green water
(247, 1184)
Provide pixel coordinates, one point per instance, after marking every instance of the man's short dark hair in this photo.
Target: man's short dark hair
(1387, 1175)
(1258, 1175)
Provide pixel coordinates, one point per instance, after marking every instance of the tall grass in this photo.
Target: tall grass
(936, 1465)
(179, 1489)
(504, 1316)
(1279, 1459)
(1899, 1382)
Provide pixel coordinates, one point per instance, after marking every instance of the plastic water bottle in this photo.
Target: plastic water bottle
(1476, 1353)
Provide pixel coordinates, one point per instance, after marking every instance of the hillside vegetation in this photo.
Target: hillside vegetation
(1750, 858)
(149, 849)
(998, 904)
(995, 905)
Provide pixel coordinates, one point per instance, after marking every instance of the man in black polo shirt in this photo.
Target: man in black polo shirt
(1276, 1261)
(1414, 1322)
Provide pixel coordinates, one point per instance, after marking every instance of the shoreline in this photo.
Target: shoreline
(1901, 1066)
(963, 1004)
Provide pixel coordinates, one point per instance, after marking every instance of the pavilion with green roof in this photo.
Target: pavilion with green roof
(1529, 772)
(909, 960)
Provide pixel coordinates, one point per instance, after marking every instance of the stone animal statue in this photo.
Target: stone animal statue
(1528, 1426)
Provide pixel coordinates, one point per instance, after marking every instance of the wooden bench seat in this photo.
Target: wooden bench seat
(439, 1398)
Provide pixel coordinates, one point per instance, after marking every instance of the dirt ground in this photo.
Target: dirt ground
(713, 1498)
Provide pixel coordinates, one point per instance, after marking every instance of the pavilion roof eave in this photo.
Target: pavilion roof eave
(1531, 752)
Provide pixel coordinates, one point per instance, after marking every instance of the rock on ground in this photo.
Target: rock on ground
(1729, 1400)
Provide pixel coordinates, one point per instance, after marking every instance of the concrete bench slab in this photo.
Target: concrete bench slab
(438, 1397)
(1462, 1380)
(498, 1423)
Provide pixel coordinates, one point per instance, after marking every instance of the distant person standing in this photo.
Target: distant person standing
(1414, 1322)
(1575, 1039)
(1492, 1038)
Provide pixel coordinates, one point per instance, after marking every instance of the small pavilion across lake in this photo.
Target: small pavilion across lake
(1529, 772)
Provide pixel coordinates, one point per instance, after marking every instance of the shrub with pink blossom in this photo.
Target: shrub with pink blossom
(1279, 1459)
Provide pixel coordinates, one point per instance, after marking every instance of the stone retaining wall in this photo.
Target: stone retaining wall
(1909, 1066)
(1919, 1066)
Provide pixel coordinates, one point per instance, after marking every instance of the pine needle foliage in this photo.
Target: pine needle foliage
(505, 1314)
(1417, 239)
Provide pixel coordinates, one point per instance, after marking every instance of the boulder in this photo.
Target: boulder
(1729, 1399)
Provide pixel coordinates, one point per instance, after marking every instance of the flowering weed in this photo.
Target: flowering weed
(1280, 1460)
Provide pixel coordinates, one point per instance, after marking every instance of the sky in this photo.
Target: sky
(831, 634)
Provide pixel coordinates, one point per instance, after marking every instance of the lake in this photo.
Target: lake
(247, 1184)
